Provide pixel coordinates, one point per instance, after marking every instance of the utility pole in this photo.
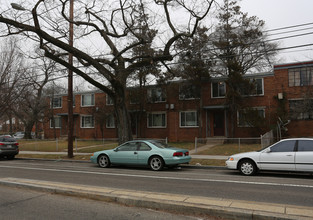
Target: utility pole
(70, 87)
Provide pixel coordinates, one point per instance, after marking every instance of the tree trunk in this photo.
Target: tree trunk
(122, 118)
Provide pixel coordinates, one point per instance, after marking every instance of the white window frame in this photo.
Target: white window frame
(82, 123)
(256, 94)
(188, 126)
(93, 100)
(156, 113)
(247, 125)
(52, 102)
(60, 122)
(108, 100)
(110, 118)
(160, 98)
(182, 94)
(218, 96)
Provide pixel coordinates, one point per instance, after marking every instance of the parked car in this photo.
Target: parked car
(19, 135)
(143, 153)
(286, 155)
(8, 147)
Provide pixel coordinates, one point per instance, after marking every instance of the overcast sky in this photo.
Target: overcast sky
(286, 13)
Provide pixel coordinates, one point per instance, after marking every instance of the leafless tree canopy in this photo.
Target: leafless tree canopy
(106, 32)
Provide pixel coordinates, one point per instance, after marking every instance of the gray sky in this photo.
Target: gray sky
(286, 13)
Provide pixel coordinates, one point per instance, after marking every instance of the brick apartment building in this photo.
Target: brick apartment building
(172, 111)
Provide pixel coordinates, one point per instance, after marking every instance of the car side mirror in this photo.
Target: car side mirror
(268, 150)
(115, 150)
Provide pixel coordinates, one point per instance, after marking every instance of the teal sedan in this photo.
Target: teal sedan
(150, 153)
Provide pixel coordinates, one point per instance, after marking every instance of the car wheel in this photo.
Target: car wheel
(247, 167)
(10, 157)
(156, 163)
(104, 161)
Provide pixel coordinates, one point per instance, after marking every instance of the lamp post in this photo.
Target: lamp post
(70, 87)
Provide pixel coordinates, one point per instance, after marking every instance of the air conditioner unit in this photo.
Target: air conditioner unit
(172, 106)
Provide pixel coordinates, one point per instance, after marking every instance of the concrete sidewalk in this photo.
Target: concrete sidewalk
(183, 204)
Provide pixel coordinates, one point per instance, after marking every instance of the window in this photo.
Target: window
(301, 109)
(300, 76)
(305, 145)
(56, 102)
(157, 120)
(135, 96)
(88, 100)
(249, 117)
(109, 100)
(143, 146)
(257, 88)
(156, 95)
(57, 122)
(87, 121)
(110, 121)
(131, 146)
(188, 91)
(188, 119)
(218, 89)
(285, 146)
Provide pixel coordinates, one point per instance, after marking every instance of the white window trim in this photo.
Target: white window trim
(218, 97)
(262, 89)
(155, 113)
(56, 98)
(107, 98)
(106, 123)
(149, 95)
(81, 100)
(81, 121)
(247, 126)
(54, 119)
(194, 126)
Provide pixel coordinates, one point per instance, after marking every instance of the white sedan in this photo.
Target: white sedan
(294, 154)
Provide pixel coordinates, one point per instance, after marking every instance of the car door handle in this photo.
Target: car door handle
(289, 155)
(135, 153)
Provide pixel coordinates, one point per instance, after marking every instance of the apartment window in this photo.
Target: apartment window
(109, 100)
(57, 122)
(256, 90)
(156, 95)
(300, 76)
(246, 117)
(88, 100)
(218, 89)
(110, 121)
(87, 121)
(301, 109)
(56, 102)
(188, 91)
(135, 96)
(157, 120)
(188, 119)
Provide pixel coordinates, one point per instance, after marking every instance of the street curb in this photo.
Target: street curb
(185, 166)
(118, 196)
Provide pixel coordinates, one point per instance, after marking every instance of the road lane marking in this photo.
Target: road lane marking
(160, 177)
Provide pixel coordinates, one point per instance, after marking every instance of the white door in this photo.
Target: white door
(280, 157)
(304, 156)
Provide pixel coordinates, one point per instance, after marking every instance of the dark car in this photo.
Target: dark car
(8, 147)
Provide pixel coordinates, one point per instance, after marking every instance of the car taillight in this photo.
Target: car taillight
(178, 154)
(16, 144)
(1, 143)
(187, 153)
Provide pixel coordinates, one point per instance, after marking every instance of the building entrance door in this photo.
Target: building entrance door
(219, 124)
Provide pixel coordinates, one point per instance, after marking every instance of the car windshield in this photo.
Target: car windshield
(7, 139)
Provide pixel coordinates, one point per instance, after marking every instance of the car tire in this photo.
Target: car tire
(156, 163)
(104, 161)
(10, 157)
(247, 167)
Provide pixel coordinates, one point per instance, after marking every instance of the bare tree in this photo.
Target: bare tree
(108, 28)
(11, 77)
(31, 105)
